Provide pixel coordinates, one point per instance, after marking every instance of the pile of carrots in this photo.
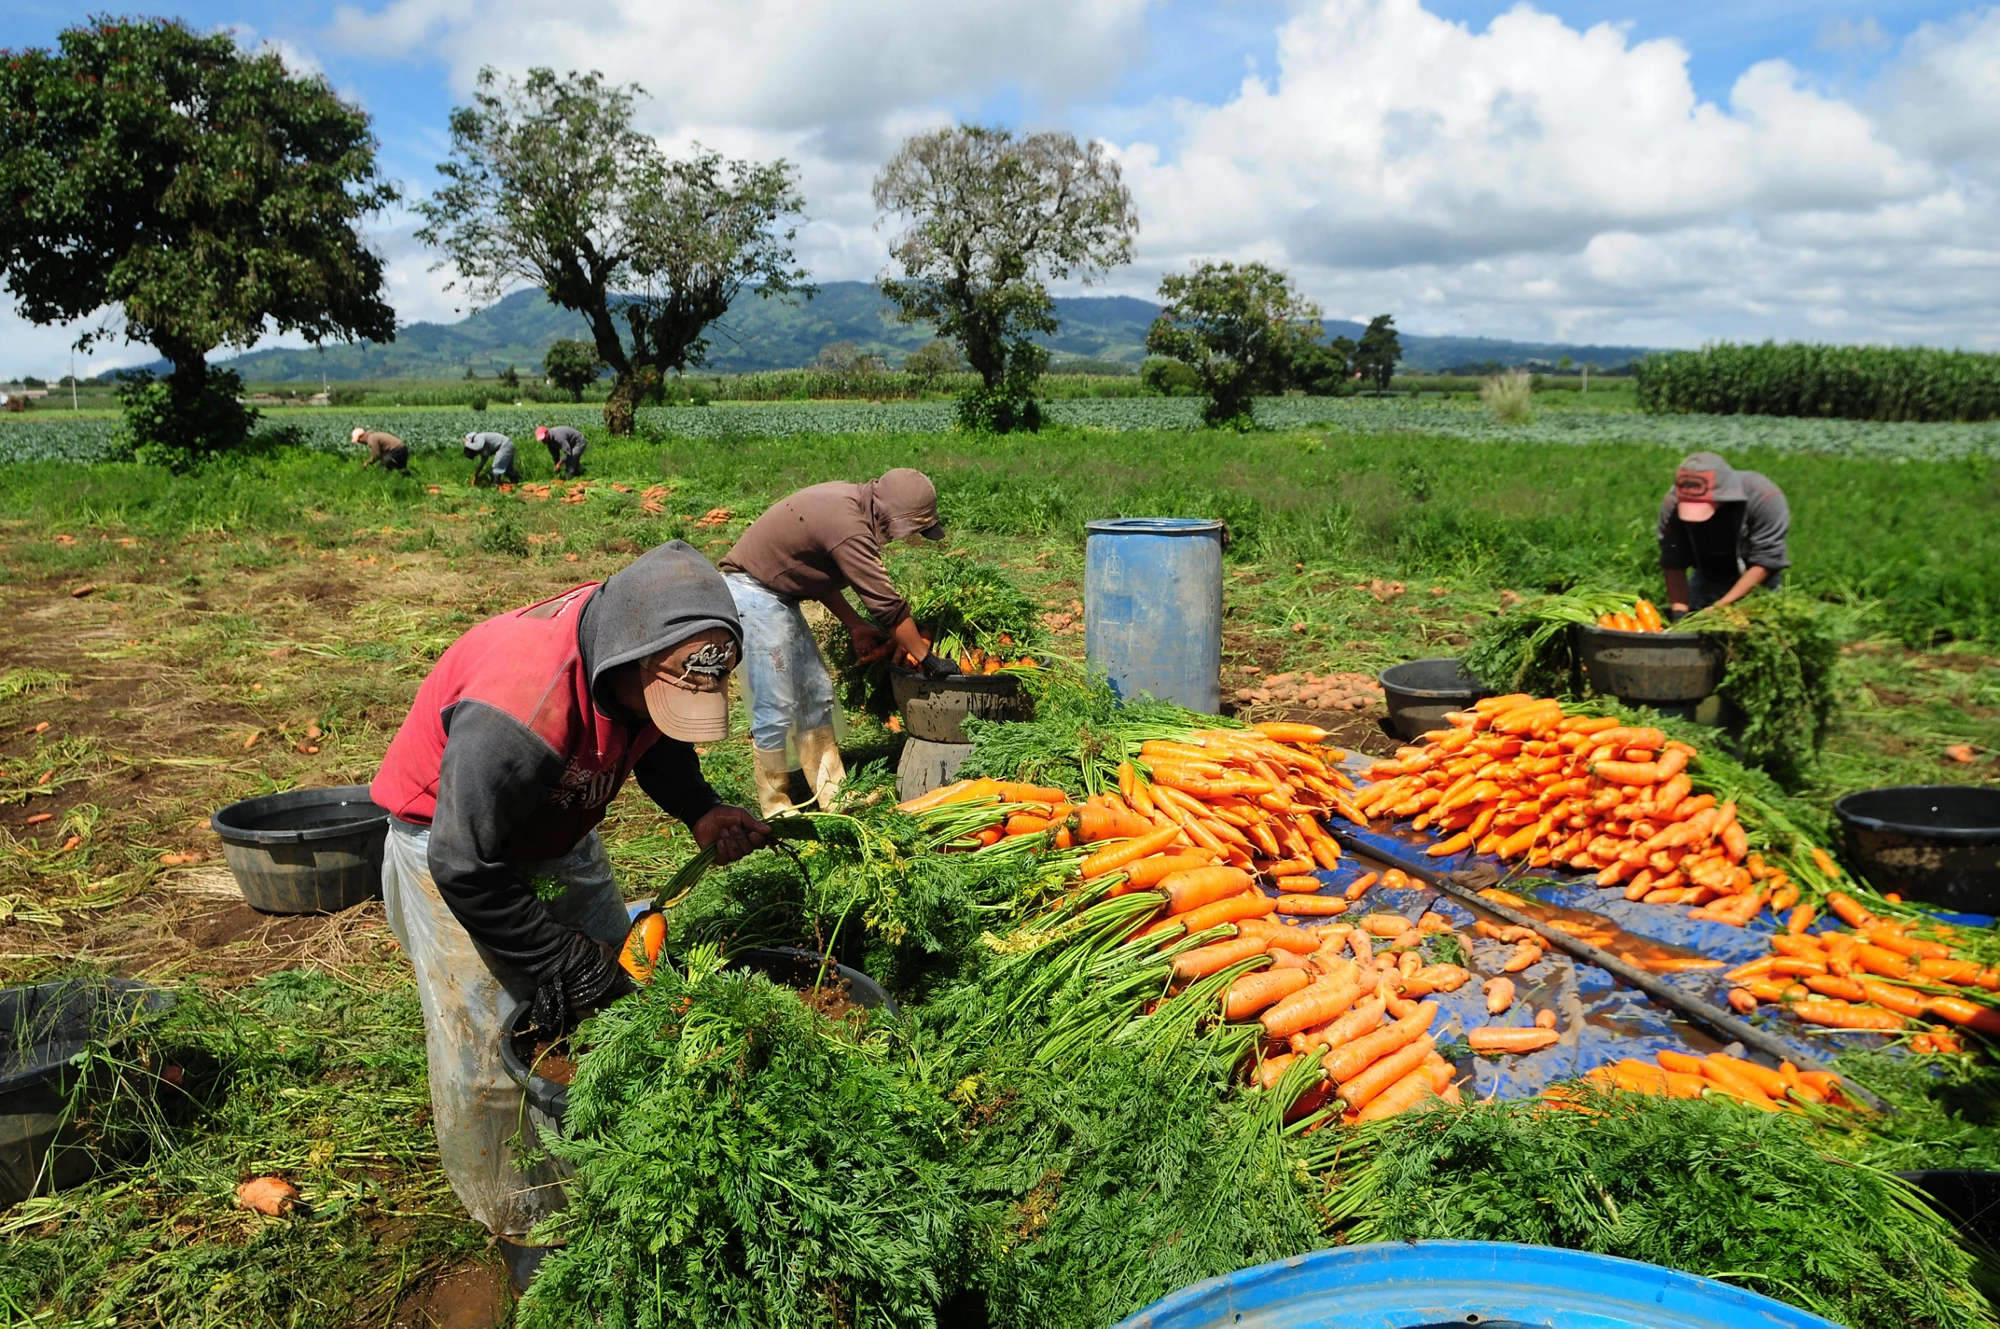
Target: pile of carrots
(1872, 978)
(1518, 778)
(1198, 820)
(1643, 617)
(1680, 1075)
(1251, 798)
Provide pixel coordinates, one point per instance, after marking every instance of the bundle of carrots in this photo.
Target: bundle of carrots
(1681, 1075)
(1518, 778)
(1878, 977)
(1251, 798)
(1642, 617)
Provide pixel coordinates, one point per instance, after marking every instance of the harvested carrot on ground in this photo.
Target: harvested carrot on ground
(1324, 1000)
(1253, 992)
(1492, 1039)
(1499, 994)
(1311, 906)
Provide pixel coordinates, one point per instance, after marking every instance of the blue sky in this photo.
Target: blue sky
(1477, 167)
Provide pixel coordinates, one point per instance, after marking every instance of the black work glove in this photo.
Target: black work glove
(937, 666)
(1676, 615)
(585, 976)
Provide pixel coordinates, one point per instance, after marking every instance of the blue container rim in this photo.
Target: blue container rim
(1154, 526)
(1384, 1280)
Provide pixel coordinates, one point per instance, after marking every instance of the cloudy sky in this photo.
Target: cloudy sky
(1621, 171)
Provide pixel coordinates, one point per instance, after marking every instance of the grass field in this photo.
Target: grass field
(263, 624)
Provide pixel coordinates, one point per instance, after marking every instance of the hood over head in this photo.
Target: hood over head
(653, 604)
(903, 503)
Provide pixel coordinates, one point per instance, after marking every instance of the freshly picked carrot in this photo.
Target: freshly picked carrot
(1217, 956)
(1346, 1062)
(1253, 992)
(1319, 1003)
(1494, 1039)
(1361, 1088)
(1250, 904)
(1415, 1089)
(1112, 857)
(1196, 887)
(1312, 906)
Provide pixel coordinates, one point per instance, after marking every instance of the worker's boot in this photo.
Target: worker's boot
(774, 779)
(819, 753)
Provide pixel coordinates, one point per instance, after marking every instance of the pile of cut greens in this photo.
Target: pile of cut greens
(1039, 1135)
(1777, 690)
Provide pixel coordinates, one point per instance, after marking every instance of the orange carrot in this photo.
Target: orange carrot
(1199, 886)
(1849, 908)
(1272, 1069)
(1025, 823)
(1101, 823)
(1253, 992)
(1981, 1019)
(1801, 919)
(1889, 996)
(1359, 886)
(1147, 873)
(1359, 1090)
(962, 791)
(1366, 1016)
(641, 953)
(1833, 985)
(1824, 862)
(1205, 960)
(1840, 1015)
(1279, 936)
(1770, 1081)
(1412, 1091)
(1323, 1001)
(1960, 973)
(1450, 845)
(1282, 732)
(1250, 904)
(1319, 906)
(1113, 857)
(1648, 616)
(1491, 1039)
(1348, 1061)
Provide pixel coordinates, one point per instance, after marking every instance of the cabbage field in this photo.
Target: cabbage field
(51, 437)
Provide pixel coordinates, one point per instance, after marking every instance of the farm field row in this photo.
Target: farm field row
(1569, 419)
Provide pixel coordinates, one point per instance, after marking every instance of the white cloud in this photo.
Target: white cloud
(1841, 33)
(1536, 179)
(1941, 97)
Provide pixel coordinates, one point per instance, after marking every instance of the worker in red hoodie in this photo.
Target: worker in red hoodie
(494, 877)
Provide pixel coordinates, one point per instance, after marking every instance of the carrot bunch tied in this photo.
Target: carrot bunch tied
(1519, 778)
(1643, 616)
(1889, 976)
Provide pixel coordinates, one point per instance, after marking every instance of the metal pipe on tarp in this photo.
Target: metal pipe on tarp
(1152, 608)
(1719, 1021)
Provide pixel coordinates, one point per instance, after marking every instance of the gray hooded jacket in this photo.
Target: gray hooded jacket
(825, 539)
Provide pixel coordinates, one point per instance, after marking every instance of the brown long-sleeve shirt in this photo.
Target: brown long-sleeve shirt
(829, 537)
(380, 444)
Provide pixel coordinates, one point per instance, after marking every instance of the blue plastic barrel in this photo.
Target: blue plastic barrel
(1401, 1285)
(1152, 607)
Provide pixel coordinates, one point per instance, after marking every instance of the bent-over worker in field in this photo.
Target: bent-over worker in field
(493, 876)
(565, 447)
(383, 447)
(816, 545)
(495, 451)
(1722, 534)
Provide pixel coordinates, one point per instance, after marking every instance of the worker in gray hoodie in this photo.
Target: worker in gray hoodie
(493, 876)
(495, 451)
(565, 447)
(817, 545)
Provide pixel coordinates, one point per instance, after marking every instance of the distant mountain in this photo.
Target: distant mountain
(761, 334)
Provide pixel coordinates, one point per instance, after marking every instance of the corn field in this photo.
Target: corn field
(1826, 382)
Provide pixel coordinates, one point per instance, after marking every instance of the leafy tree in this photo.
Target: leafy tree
(844, 357)
(1170, 378)
(1379, 350)
(571, 366)
(1324, 370)
(510, 377)
(206, 191)
(990, 217)
(549, 183)
(1240, 328)
(933, 361)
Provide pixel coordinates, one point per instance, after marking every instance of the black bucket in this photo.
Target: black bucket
(786, 965)
(1656, 668)
(309, 851)
(43, 1026)
(1937, 844)
(934, 709)
(1421, 692)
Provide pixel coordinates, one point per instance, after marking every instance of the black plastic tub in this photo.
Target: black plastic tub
(1971, 1200)
(787, 965)
(1421, 692)
(42, 1027)
(1937, 844)
(934, 709)
(309, 851)
(1657, 668)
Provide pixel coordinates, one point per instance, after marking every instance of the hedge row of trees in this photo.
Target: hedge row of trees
(1834, 382)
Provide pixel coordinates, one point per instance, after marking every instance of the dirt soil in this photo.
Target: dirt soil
(472, 1295)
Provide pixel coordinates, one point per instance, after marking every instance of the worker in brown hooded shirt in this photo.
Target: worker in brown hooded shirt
(817, 545)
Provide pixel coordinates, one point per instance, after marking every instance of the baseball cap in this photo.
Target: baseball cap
(687, 686)
(541, 433)
(357, 435)
(1702, 480)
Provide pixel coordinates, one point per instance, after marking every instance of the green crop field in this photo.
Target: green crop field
(264, 621)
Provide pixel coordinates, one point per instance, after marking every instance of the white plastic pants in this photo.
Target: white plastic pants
(467, 996)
